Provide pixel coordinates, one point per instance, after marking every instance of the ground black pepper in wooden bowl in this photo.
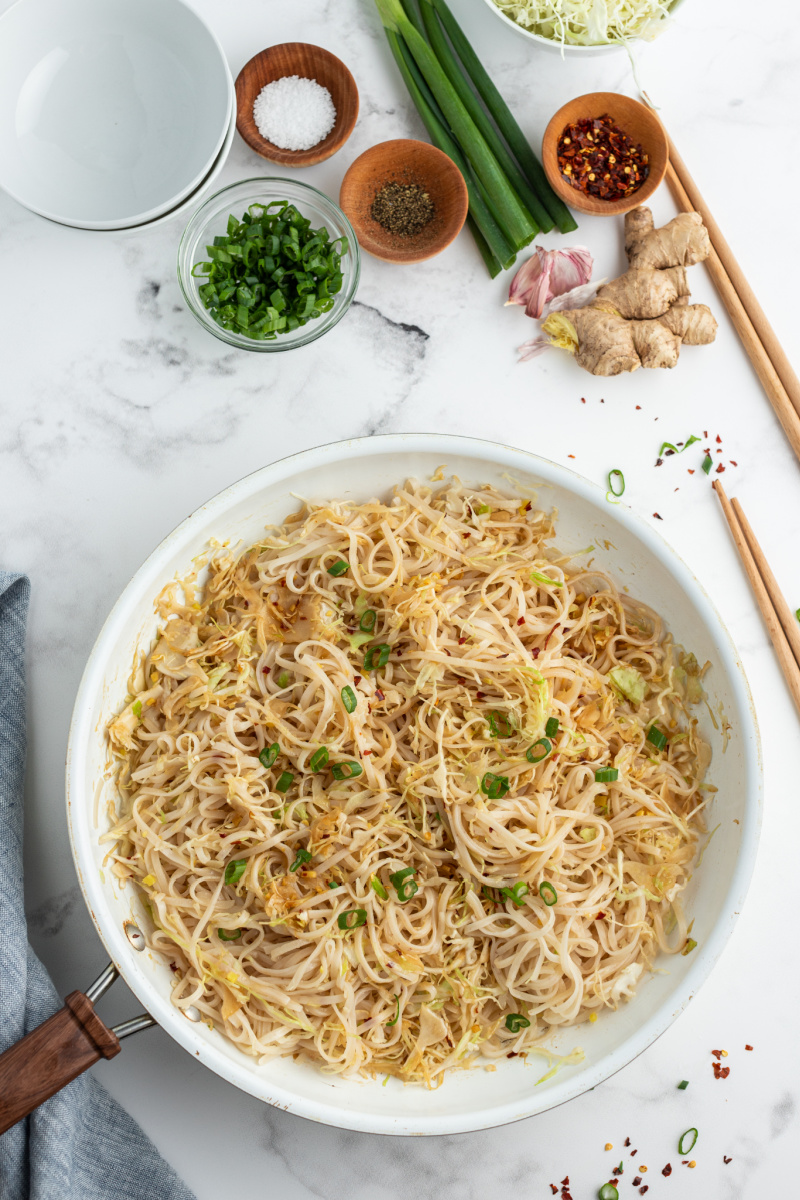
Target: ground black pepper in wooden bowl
(403, 208)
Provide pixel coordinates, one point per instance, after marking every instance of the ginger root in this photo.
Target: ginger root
(642, 318)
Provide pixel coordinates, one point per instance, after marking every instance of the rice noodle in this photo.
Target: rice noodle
(490, 632)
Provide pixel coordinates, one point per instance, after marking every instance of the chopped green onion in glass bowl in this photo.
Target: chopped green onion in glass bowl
(269, 264)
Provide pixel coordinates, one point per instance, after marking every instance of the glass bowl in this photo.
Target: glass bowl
(211, 220)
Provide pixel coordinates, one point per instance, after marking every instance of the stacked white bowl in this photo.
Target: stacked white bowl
(113, 114)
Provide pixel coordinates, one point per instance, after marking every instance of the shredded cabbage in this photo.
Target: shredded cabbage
(589, 22)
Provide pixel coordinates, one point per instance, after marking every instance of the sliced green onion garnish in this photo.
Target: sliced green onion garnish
(397, 1014)
(686, 1142)
(136, 708)
(615, 477)
(368, 619)
(797, 613)
(495, 786)
(349, 698)
(346, 770)
(682, 1086)
(689, 947)
(405, 887)
(338, 568)
(302, 856)
(352, 919)
(548, 893)
(283, 679)
(707, 463)
(516, 893)
(607, 775)
(269, 754)
(480, 509)
(668, 446)
(690, 441)
(382, 650)
(516, 1021)
(378, 887)
(538, 577)
(500, 724)
(229, 935)
(235, 870)
(546, 745)
(551, 728)
(656, 738)
(285, 782)
(319, 759)
(333, 884)
(608, 1192)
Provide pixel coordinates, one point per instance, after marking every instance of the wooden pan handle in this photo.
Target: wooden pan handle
(51, 1056)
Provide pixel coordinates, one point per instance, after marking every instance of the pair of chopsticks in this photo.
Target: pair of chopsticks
(782, 625)
(765, 352)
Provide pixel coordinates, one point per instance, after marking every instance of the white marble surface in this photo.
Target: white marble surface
(120, 415)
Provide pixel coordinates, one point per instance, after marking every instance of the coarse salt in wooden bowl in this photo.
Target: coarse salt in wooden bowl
(404, 161)
(639, 122)
(308, 62)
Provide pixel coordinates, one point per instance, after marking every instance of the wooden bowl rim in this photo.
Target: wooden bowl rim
(581, 106)
(407, 147)
(330, 144)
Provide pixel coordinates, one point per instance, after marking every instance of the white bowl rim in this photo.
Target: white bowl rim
(82, 836)
(186, 191)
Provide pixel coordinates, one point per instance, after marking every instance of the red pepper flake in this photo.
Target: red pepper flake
(726, 1160)
(553, 1187)
(602, 401)
(717, 1054)
(658, 516)
(667, 1170)
(379, 694)
(521, 621)
(599, 917)
(550, 634)
(644, 1188)
(461, 641)
(733, 462)
(659, 462)
(705, 433)
(636, 1181)
(535, 652)
(570, 456)
(356, 680)
(529, 506)
(565, 1181)
(691, 470)
(583, 399)
(366, 752)
(480, 695)
(598, 158)
(721, 1072)
(634, 1153)
(638, 408)
(748, 1047)
(719, 440)
(265, 670)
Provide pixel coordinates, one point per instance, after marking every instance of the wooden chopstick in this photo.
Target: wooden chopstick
(789, 622)
(790, 666)
(766, 334)
(755, 348)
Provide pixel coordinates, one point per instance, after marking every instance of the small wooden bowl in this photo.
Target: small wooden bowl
(640, 123)
(405, 161)
(309, 62)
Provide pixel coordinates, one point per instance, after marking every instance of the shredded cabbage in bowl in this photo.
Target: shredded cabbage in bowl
(589, 22)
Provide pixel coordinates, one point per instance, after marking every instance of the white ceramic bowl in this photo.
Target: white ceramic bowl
(639, 559)
(111, 112)
(554, 44)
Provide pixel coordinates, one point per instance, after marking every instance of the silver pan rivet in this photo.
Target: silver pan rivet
(134, 935)
(191, 1013)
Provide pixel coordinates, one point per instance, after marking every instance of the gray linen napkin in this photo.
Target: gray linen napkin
(80, 1145)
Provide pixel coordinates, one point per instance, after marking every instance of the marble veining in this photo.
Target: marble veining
(119, 415)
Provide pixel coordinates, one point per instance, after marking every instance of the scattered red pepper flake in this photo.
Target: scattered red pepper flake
(691, 470)
(717, 1054)
(570, 456)
(356, 680)
(634, 1153)
(379, 694)
(705, 433)
(636, 1181)
(265, 670)
(721, 1072)
(638, 407)
(748, 1047)
(719, 439)
(565, 1181)
(599, 917)
(644, 1188)
(733, 462)
(583, 399)
(627, 1141)
(658, 516)
(667, 1170)
(726, 1160)
(550, 634)
(521, 621)
(535, 652)
(461, 641)
(553, 1187)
